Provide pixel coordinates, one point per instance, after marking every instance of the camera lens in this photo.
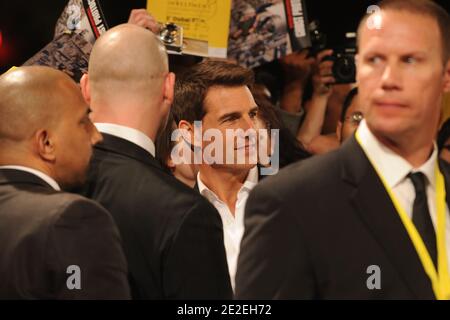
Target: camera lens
(344, 69)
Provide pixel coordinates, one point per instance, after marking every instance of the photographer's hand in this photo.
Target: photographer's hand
(142, 18)
(316, 108)
(297, 68)
(323, 75)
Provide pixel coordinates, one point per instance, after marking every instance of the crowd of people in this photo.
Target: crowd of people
(144, 180)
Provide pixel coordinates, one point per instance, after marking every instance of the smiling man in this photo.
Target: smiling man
(217, 94)
(369, 221)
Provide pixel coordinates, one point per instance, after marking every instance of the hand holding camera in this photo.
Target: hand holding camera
(297, 66)
(323, 74)
(342, 58)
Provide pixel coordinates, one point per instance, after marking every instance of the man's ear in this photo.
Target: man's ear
(188, 133)
(85, 90)
(169, 86)
(45, 145)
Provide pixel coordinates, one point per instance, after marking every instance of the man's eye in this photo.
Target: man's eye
(230, 119)
(253, 114)
(374, 59)
(410, 60)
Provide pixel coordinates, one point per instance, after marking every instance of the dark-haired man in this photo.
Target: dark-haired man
(215, 94)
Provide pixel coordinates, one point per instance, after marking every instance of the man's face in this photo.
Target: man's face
(353, 117)
(232, 108)
(74, 137)
(401, 76)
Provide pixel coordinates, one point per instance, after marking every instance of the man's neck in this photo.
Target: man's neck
(27, 163)
(415, 152)
(224, 183)
(146, 126)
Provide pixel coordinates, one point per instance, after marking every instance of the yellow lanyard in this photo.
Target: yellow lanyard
(440, 278)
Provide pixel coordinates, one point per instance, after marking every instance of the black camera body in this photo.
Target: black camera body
(344, 67)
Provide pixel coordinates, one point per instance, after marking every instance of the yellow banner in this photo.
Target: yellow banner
(204, 20)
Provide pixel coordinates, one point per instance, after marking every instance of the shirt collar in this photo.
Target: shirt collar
(249, 183)
(394, 167)
(38, 173)
(135, 136)
(252, 179)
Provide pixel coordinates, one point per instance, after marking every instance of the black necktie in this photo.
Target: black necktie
(421, 215)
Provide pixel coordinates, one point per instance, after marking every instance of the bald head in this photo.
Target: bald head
(33, 98)
(127, 60)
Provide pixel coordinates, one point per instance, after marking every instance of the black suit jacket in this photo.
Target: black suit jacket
(43, 232)
(172, 237)
(313, 230)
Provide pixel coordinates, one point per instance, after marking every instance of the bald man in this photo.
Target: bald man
(53, 245)
(172, 237)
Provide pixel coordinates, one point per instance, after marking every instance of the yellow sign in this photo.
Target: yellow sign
(202, 20)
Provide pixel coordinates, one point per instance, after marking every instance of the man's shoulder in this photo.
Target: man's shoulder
(47, 200)
(306, 175)
(44, 209)
(62, 203)
(141, 184)
(319, 174)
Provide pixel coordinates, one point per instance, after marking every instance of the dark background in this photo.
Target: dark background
(27, 26)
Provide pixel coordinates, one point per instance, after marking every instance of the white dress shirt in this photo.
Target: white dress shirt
(37, 173)
(233, 226)
(132, 135)
(395, 171)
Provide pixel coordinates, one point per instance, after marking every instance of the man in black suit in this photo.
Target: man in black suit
(366, 221)
(172, 237)
(53, 245)
(217, 94)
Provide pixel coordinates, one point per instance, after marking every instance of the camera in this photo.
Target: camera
(344, 67)
(343, 57)
(172, 36)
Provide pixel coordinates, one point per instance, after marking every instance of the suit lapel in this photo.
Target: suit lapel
(379, 215)
(128, 149)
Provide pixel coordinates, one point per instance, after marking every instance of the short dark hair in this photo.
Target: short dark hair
(421, 7)
(347, 102)
(192, 86)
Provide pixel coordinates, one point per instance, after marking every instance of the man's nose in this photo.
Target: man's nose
(391, 78)
(248, 122)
